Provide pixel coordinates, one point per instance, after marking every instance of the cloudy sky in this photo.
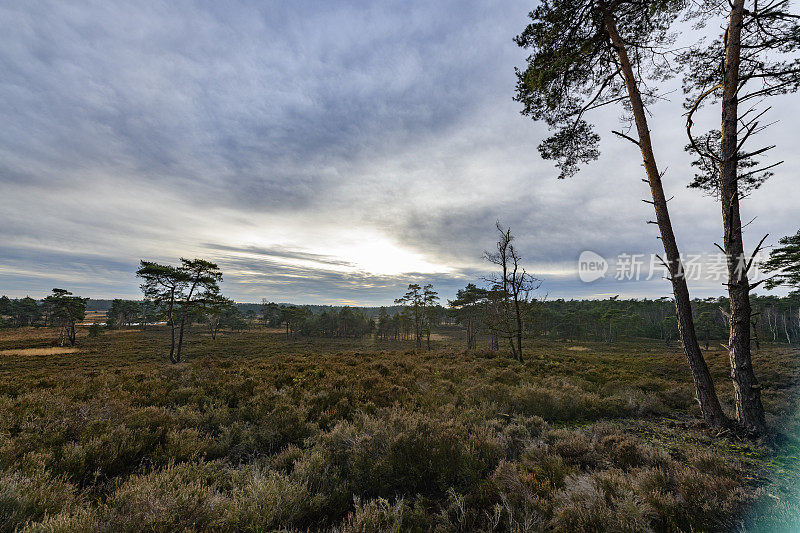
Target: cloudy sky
(320, 152)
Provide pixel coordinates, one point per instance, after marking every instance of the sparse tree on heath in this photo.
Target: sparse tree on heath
(430, 311)
(123, 313)
(414, 301)
(163, 285)
(202, 278)
(214, 306)
(5, 306)
(66, 311)
(179, 292)
(384, 324)
(270, 312)
(25, 312)
(469, 306)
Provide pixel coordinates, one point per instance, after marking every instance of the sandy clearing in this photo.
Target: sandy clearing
(38, 351)
(578, 349)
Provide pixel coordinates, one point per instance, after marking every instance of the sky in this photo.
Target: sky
(320, 152)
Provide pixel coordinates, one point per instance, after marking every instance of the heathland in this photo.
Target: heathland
(254, 432)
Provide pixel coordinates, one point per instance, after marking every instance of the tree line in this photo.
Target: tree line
(775, 319)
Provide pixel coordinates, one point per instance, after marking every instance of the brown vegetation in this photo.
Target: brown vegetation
(255, 433)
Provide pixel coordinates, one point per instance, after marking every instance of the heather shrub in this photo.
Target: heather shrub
(710, 502)
(382, 516)
(624, 452)
(407, 453)
(82, 519)
(574, 446)
(33, 496)
(517, 507)
(542, 471)
(601, 501)
(175, 498)
(264, 500)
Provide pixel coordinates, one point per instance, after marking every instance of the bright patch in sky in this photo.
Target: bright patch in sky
(379, 256)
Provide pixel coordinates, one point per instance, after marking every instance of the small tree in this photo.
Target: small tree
(202, 278)
(214, 306)
(179, 292)
(429, 311)
(233, 319)
(296, 317)
(164, 285)
(270, 312)
(705, 323)
(25, 312)
(384, 324)
(414, 301)
(670, 327)
(405, 323)
(468, 308)
(5, 306)
(66, 311)
(495, 318)
(122, 313)
(148, 313)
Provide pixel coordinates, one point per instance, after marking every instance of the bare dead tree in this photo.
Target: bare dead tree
(514, 284)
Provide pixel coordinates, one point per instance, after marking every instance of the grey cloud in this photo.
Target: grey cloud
(156, 130)
(281, 253)
(257, 278)
(259, 105)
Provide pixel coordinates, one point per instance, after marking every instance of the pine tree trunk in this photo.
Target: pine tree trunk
(180, 339)
(704, 385)
(172, 342)
(171, 318)
(747, 391)
(518, 332)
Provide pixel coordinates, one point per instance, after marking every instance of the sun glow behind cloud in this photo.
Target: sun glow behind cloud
(352, 251)
(380, 256)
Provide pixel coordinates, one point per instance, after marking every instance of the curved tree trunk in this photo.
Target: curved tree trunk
(704, 385)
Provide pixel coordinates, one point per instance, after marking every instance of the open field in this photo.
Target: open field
(255, 433)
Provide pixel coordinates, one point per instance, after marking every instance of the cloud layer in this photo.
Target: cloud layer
(320, 152)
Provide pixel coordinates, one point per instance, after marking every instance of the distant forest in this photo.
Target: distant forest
(775, 319)
(93, 305)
